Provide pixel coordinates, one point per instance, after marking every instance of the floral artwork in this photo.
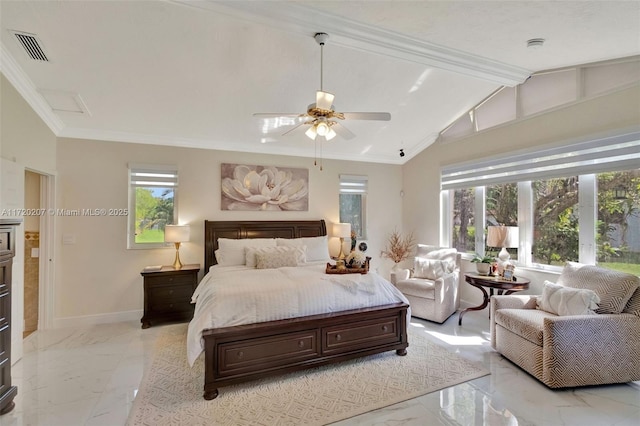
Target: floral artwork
(264, 188)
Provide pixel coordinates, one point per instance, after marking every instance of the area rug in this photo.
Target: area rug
(171, 392)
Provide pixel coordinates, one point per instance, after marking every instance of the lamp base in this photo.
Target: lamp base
(504, 255)
(176, 263)
(341, 255)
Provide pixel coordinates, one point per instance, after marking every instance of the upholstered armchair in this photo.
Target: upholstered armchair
(585, 331)
(432, 285)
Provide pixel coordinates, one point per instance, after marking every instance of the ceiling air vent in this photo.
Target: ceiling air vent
(31, 44)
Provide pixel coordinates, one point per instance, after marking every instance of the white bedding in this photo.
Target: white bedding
(236, 295)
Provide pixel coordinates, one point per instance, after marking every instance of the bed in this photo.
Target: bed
(240, 353)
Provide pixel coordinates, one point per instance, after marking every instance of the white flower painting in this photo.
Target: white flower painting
(264, 188)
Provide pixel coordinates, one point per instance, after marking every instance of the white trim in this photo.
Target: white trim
(525, 223)
(446, 227)
(588, 216)
(89, 320)
(480, 206)
(46, 279)
(27, 89)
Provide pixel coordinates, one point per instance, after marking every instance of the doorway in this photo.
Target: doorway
(32, 198)
(39, 196)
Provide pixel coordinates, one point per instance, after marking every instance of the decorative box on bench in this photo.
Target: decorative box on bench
(333, 269)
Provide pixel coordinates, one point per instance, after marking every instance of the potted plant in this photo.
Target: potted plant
(483, 263)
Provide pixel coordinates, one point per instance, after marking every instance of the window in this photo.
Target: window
(353, 203)
(618, 226)
(555, 221)
(152, 193)
(464, 221)
(576, 202)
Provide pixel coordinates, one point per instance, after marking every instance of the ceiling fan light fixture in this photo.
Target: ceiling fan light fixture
(311, 133)
(330, 134)
(322, 128)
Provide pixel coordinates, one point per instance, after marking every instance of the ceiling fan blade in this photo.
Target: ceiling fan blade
(324, 100)
(276, 114)
(382, 116)
(294, 128)
(342, 131)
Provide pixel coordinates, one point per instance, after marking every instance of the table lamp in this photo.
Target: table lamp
(504, 237)
(176, 234)
(342, 230)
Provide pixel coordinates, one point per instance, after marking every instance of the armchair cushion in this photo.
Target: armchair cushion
(561, 300)
(527, 323)
(613, 287)
(418, 287)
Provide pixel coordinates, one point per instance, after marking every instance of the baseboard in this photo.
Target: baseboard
(85, 320)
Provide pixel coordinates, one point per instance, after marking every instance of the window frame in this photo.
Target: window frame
(617, 159)
(172, 183)
(355, 185)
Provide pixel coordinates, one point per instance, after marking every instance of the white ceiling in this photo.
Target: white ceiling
(193, 73)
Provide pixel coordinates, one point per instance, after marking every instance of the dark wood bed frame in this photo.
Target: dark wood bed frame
(248, 352)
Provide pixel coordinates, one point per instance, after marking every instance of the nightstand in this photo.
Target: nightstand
(167, 294)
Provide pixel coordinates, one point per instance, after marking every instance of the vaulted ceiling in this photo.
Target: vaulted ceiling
(192, 73)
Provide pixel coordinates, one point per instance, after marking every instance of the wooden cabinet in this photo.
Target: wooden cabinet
(7, 252)
(167, 294)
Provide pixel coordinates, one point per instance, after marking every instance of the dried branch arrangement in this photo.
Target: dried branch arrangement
(399, 247)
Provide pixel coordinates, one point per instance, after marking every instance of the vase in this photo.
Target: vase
(483, 268)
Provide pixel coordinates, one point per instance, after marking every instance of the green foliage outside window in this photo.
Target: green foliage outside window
(556, 221)
(154, 210)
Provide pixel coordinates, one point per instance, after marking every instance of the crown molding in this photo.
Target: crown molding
(303, 20)
(23, 84)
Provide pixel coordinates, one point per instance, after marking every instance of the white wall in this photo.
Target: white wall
(98, 276)
(421, 175)
(25, 142)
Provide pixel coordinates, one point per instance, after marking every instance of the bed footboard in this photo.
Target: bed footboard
(248, 352)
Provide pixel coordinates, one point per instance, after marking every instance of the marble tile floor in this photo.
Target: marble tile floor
(89, 376)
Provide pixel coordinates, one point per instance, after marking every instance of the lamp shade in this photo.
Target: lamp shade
(176, 233)
(502, 236)
(342, 230)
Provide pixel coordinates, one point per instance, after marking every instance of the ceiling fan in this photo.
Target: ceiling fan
(321, 116)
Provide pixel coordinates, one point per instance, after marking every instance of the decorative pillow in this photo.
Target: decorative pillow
(232, 252)
(317, 247)
(613, 287)
(251, 261)
(276, 259)
(560, 300)
(431, 269)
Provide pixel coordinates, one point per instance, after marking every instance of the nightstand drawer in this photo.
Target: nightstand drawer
(173, 279)
(166, 306)
(171, 293)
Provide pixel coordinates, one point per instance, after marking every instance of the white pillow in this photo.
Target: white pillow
(317, 247)
(232, 252)
(431, 269)
(440, 253)
(560, 300)
(251, 252)
(276, 259)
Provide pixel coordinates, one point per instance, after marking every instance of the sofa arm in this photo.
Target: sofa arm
(604, 347)
(511, 301)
